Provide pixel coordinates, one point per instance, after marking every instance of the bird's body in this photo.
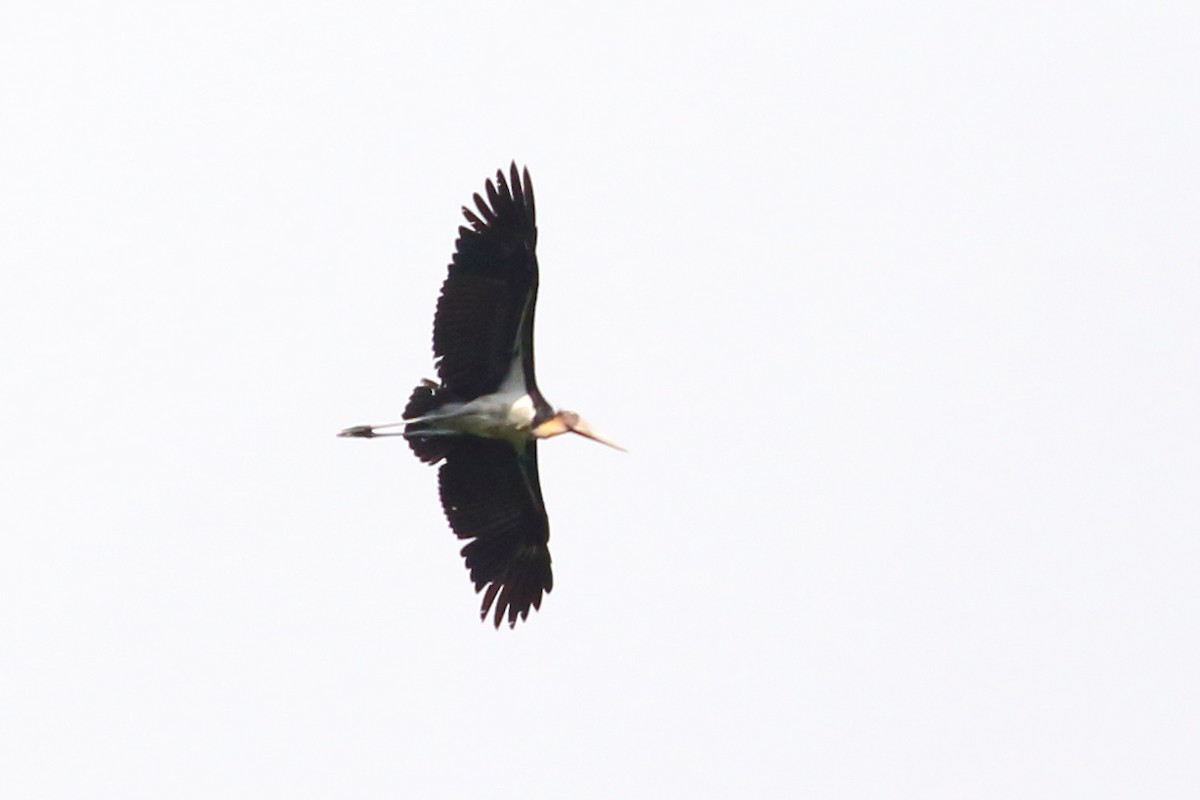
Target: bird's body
(483, 418)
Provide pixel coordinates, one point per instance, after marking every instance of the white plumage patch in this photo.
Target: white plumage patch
(507, 413)
(520, 413)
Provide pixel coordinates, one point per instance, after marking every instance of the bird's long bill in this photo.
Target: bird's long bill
(583, 429)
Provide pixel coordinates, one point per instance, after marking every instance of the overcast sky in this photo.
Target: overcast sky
(896, 307)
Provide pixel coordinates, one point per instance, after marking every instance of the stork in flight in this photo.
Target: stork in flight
(484, 418)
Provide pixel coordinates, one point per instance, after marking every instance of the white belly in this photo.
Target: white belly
(496, 416)
(505, 414)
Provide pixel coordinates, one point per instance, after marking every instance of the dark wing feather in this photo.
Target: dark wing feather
(485, 312)
(425, 398)
(491, 496)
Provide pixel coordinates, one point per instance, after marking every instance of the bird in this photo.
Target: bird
(482, 419)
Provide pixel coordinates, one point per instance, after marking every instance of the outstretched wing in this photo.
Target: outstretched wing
(485, 313)
(491, 495)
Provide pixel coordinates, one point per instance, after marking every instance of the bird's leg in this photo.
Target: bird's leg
(364, 431)
(368, 431)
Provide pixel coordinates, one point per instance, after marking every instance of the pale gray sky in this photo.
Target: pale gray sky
(897, 309)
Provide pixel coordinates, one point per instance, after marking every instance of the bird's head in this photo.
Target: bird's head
(565, 421)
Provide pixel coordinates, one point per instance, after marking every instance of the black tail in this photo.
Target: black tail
(428, 396)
